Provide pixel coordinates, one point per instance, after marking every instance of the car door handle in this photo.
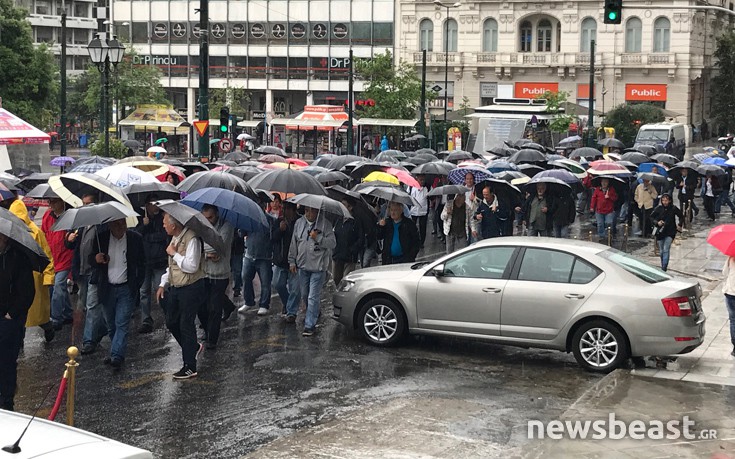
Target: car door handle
(491, 290)
(574, 296)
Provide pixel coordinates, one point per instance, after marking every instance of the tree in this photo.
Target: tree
(117, 149)
(236, 99)
(723, 84)
(133, 84)
(76, 106)
(28, 74)
(555, 102)
(627, 118)
(395, 90)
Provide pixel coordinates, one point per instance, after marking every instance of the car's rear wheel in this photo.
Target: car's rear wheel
(382, 322)
(600, 346)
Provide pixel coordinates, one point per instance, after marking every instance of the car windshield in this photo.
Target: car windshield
(660, 135)
(635, 266)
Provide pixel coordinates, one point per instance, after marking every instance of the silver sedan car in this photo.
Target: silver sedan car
(599, 303)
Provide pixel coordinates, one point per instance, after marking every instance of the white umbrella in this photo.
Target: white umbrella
(122, 175)
(245, 136)
(156, 150)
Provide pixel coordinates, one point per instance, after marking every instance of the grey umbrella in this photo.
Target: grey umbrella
(448, 189)
(245, 172)
(664, 158)
(656, 179)
(140, 193)
(271, 150)
(216, 179)
(195, 221)
(236, 156)
(458, 156)
(585, 152)
(42, 191)
(321, 203)
(19, 235)
(132, 144)
(611, 143)
(287, 181)
(389, 194)
(635, 157)
(431, 169)
(332, 176)
(711, 169)
(92, 214)
(33, 180)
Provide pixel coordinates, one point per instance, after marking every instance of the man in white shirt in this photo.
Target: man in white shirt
(182, 289)
(119, 272)
(419, 213)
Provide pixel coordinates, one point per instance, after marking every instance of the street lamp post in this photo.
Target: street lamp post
(104, 53)
(439, 3)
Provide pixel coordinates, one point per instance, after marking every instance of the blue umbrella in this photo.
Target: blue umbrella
(500, 165)
(61, 161)
(648, 167)
(716, 161)
(456, 176)
(243, 213)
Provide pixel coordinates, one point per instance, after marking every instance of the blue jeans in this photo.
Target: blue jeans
(147, 290)
(368, 255)
(118, 307)
(603, 222)
(664, 247)
(60, 302)
(236, 267)
(280, 283)
(724, 198)
(95, 327)
(730, 303)
(311, 289)
(561, 231)
(263, 268)
(291, 282)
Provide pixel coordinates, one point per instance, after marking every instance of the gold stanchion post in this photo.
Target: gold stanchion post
(624, 244)
(71, 368)
(609, 236)
(590, 236)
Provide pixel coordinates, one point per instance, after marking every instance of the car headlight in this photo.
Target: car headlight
(345, 285)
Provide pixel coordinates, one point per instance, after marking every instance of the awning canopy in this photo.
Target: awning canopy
(385, 122)
(155, 116)
(15, 131)
(292, 123)
(249, 123)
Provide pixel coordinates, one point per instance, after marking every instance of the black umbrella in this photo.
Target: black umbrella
(193, 167)
(195, 221)
(271, 150)
(19, 235)
(392, 158)
(527, 155)
(417, 160)
(620, 185)
(314, 170)
(518, 143)
(611, 143)
(389, 194)
(324, 159)
(339, 162)
(585, 152)
(406, 165)
(331, 176)
(530, 169)
(30, 182)
(711, 169)
(434, 168)
(134, 144)
(217, 179)
(236, 156)
(448, 189)
(510, 176)
(361, 186)
(92, 214)
(171, 162)
(635, 157)
(289, 181)
(645, 149)
(429, 157)
(504, 190)
(223, 162)
(628, 165)
(363, 168)
(430, 151)
(534, 146)
(501, 150)
(361, 210)
(245, 172)
(458, 156)
(554, 186)
(656, 179)
(140, 193)
(563, 175)
(664, 158)
(42, 191)
(322, 203)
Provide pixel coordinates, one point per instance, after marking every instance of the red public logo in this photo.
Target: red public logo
(646, 92)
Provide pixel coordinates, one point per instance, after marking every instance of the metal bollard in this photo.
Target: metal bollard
(609, 236)
(624, 243)
(71, 368)
(591, 236)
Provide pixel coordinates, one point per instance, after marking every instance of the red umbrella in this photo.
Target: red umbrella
(298, 162)
(723, 239)
(607, 167)
(403, 177)
(272, 159)
(173, 170)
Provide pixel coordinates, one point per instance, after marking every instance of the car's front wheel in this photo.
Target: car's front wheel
(600, 346)
(382, 322)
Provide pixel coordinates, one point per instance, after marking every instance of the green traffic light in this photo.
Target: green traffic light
(223, 128)
(612, 15)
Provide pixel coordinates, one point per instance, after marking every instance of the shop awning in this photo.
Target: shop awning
(155, 116)
(385, 122)
(292, 123)
(15, 131)
(249, 123)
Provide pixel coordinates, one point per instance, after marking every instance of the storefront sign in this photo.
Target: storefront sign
(238, 31)
(278, 31)
(154, 60)
(339, 62)
(320, 31)
(340, 31)
(298, 30)
(160, 30)
(488, 90)
(534, 90)
(196, 30)
(646, 92)
(179, 30)
(583, 91)
(257, 30)
(218, 31)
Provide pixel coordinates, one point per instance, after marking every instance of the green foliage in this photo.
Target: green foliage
(395, 90)
(723, 84)
(28, 74)
(132, 84)
(627, 118)
(76, 106)
(117, 149)
(236, 99)
(555, 102)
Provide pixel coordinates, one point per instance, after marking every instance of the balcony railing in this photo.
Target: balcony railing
(438, 58)
(645, 60)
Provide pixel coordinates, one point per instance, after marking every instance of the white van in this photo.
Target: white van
(666, 137)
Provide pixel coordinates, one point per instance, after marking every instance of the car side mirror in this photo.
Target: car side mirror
(438, 270)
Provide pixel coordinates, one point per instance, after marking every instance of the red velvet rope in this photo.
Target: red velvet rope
(59, 398)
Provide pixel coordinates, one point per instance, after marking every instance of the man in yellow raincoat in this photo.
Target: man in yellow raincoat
(40, 312)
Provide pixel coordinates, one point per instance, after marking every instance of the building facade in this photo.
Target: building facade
(511, 49)
(286, 53)
(45, 19)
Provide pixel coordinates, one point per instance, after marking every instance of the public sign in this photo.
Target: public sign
(646, 92)
(534, 90)
(225, 145)
(201, 127)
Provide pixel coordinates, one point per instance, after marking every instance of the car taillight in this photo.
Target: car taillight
(684, 338)
(677, 307)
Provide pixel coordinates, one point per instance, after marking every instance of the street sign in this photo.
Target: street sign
(436, 88)
(201, 127)
(225, 145)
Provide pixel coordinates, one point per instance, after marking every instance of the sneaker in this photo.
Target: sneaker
(244, 308)
(199, 350)
(308, 332)
(262, 311)
(290, 319)
(185, 373)
(145, 328)
(88, 349)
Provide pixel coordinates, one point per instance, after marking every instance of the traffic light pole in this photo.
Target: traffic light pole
(591, 113)
(350, 109)
(422, 108)
(204, 75)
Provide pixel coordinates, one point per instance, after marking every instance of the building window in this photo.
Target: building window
(361, 32)
(526, 36)
(633, 35)
(426, 35)
(450, 40)
(543, 36)
(44, 35)
(589, 33)
(382, 33)
(81, 10)
(490, 36)
(140, 32)
(43, 7)
(661, 35)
